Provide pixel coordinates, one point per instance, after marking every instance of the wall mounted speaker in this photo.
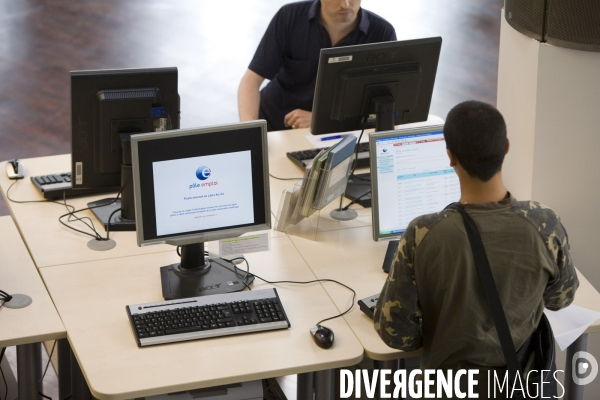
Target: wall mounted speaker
(566, 23)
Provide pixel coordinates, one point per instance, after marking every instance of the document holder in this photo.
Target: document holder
(299, 211)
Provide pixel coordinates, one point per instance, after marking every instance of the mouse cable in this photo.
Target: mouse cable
(28, 201)
(301, 283)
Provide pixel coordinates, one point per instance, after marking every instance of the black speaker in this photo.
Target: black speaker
(566, 23)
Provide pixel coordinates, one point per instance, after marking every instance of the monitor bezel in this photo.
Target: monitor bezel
(225, 233)
(373, 164)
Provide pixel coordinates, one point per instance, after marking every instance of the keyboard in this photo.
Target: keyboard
(304, 157)
(57, 186)
(207, 316)
(367, 305)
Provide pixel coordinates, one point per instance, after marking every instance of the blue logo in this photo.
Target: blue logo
(203, 173)
(384, 150)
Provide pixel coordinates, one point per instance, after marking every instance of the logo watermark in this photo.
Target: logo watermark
(584, 363)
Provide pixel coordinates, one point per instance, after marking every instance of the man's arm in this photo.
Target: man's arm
(561, 289)
(397, 314)
(249, 96)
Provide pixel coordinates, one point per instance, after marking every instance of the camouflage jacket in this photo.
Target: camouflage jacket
(433, 297)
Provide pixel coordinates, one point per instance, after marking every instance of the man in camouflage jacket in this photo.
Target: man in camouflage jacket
(433, 297)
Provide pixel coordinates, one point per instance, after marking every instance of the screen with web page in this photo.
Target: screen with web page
(413, 178)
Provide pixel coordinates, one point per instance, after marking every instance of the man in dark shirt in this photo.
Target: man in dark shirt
(288, 55)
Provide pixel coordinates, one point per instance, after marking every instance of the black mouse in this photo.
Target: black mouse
(323, 336)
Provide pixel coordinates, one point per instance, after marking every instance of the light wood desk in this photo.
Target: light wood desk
(25, 327)
(91, 299)
(49, 242)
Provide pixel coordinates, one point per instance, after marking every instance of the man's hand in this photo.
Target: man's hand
(298, 119)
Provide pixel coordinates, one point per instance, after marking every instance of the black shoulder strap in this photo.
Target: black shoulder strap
(490, 289)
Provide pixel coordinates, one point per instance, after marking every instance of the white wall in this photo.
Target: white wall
(550, 98)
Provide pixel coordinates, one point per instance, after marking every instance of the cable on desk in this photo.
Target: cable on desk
(355, 200)
(304, 283)
(285, 179)
(354, 165)
(73, 217)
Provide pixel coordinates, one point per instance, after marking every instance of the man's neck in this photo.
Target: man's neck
(475, 191)
(336, 30)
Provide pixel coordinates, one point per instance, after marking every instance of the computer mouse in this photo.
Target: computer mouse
(323, 336)
(15, 169)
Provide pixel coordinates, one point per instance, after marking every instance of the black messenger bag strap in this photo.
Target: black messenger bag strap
(491, 291)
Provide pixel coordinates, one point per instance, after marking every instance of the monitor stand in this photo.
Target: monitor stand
(359, 185)
(105, 209)
(197, 275)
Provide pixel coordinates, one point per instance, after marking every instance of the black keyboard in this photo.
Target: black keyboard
(303, 157)
(57, 186)
(367, 305)
(207, 316)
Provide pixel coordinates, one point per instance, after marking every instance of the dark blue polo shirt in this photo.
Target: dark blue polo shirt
(288, 55)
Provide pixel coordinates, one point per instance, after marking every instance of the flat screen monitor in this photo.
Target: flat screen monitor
(375, 85)
(107, 107)
(197, 185)
(410, 176)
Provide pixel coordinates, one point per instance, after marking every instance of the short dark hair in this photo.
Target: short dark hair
(475, 133)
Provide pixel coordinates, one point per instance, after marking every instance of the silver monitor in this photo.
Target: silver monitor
(410, 176)
(197, 185)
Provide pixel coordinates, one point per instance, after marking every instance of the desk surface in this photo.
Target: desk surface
(91, 299)
(49, 242)
(353, 258)
(37, 322)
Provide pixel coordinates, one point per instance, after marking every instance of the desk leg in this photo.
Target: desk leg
(572, 390)
(325, 384)
(79, 387)
(29, 370)
(393, 366)
(64, 369)
(305, 386)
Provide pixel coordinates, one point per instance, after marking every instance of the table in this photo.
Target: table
(25, 327)
(49, 242)
(91, 299)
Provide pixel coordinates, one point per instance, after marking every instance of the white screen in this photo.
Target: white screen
(201, 193)
(413, 178)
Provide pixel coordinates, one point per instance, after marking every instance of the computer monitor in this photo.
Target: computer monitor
(197, 185)
(377, 85)
(410, 176)
(107, 107)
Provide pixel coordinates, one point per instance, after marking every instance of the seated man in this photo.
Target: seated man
(433, 297)
(288, 55)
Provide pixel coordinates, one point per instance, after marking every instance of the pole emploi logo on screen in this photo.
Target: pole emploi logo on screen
(203, 173)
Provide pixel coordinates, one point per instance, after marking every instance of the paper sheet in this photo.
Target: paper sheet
(570, 323)
(320, 141)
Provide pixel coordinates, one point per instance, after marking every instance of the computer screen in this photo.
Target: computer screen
(197, 185)
(375, 85)
(107, 107)
(410, 176)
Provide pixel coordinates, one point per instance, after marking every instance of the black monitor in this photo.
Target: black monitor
(107, 107)
(197, 185)
(375, 85)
